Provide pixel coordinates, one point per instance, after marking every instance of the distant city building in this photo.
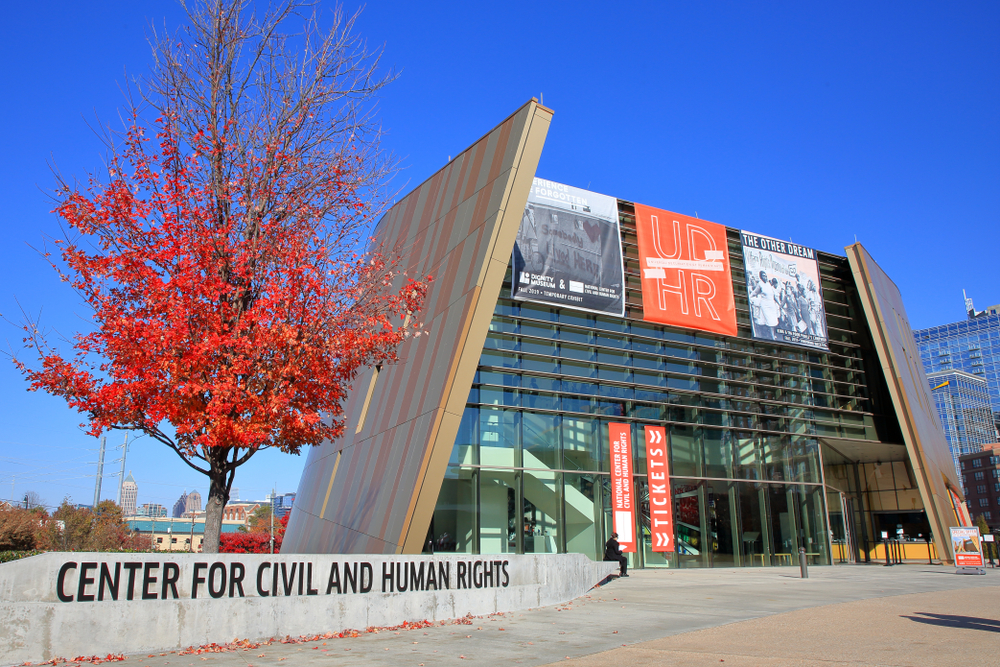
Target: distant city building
(981, 478)
(130, 491)
(963, 405)
(180, 506)
(193, 503)
(972, 346)
(239, 511)
(152, 510)
(283, 504)
(173, 534)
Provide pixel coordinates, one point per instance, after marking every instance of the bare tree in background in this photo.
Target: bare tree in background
(31, 500)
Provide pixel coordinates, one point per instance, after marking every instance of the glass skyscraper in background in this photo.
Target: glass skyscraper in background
(971, 346)
(963, 405)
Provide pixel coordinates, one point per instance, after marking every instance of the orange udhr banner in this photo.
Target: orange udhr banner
(661, 521)
(686, 279)
(622, 505)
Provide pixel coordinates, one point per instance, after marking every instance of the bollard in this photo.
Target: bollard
(803, 567)
(885, 543)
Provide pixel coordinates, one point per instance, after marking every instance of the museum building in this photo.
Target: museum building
(568, 333)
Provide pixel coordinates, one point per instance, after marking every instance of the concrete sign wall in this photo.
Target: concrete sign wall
(70, 604)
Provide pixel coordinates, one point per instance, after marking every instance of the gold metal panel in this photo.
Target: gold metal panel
(904, 373)
(458, 226)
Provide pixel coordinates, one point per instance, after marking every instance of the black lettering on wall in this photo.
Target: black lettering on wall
(367, 577)
(488, 574)
(236, 574)
(132, 569)
(288, 582)
(309, 581)
(196, 578)
(302, 568)
(461, 575)
(106, 580)
(431, 577)
(274, 579)
(61, 580)
(402, 578)
(477, 574)
(444, 574)
(417, 576)
(171, 573)
(351, 577)
(148, 579)
(260, 579)
(81, 594)
(387, 575)
(506, 577)
(334, 580)
(217, 572)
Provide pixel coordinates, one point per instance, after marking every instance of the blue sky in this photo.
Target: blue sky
(813, 122)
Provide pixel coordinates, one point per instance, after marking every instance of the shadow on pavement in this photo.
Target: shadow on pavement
(951, 621)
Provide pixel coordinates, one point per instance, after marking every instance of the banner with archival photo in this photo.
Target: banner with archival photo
(786, 298)
(568, 250)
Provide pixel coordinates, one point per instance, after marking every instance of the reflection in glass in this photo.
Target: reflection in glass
(453, 526)
(542, 505)
(497, 513)
(500, 436)
(581, 444)
(583, 516)
(541, 440)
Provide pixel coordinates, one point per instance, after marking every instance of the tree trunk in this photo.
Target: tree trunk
(218, 496)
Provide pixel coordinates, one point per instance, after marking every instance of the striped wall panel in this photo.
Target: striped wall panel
(899, 357)
(374, 490)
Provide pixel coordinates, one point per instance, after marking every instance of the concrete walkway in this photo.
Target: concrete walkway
(857, 615)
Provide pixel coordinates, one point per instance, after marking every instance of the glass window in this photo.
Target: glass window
(466, 449)
(499, 437)
(541, 440)
(498, 517)
(542, 505)
(685, 450)
(581, 444)
(453, 526)
(583, 515)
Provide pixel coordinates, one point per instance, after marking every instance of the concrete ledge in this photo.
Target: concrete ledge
(72, 604)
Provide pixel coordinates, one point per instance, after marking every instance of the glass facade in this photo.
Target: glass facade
(529, 471)
(972, 346)
(963, 406)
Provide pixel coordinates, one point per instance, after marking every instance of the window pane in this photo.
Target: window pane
(581, 444)
(453, 526)
(542, 503)
(499, 437)
(541, 440)
(583, 516)
(497, 515)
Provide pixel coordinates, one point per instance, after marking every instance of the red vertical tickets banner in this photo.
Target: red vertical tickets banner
(622, 502)
(661, 520)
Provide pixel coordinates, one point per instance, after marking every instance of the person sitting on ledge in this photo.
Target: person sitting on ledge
(612, 552)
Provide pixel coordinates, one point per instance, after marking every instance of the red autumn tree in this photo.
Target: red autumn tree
(220, 253)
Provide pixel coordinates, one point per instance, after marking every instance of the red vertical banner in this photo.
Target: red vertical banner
(661, 519)
(622, 502)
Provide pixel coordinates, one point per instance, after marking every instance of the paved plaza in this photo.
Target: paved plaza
(841, 615)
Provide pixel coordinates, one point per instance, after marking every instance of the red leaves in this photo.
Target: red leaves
(235, 310)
